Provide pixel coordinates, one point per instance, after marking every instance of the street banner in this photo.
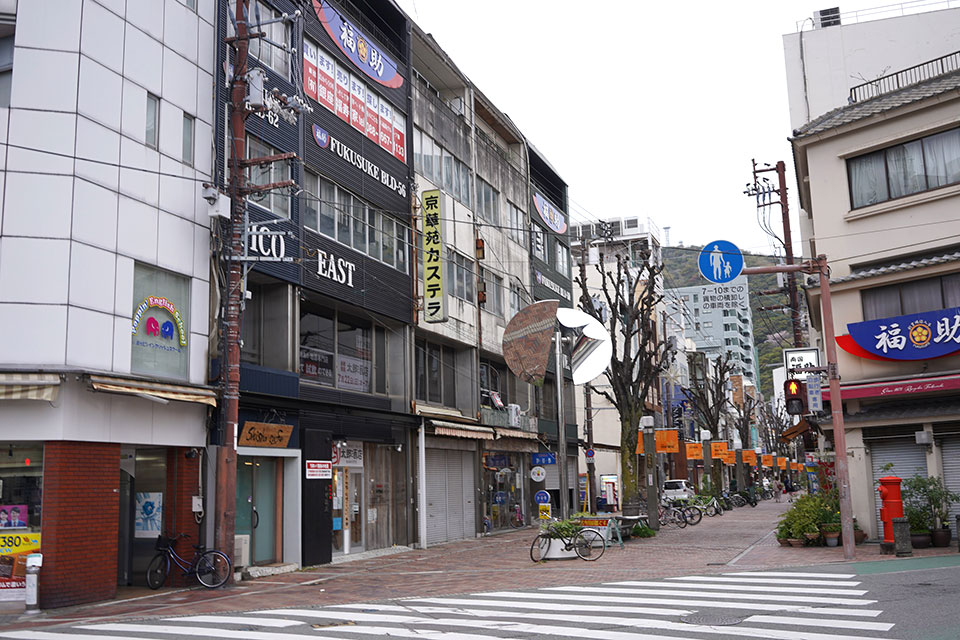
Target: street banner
(667, 441)
(729, 457)
(767, 461)
(749, 457)
(782, 463)
(717, 449)
(694, 451)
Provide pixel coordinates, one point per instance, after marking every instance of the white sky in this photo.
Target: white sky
(648, 109)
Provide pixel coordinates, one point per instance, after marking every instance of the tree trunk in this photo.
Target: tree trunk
(629, 476)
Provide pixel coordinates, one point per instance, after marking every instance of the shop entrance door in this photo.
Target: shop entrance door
(257, 506)
(347, 510)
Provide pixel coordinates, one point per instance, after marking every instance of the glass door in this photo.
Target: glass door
(356, 511)
(257, 506)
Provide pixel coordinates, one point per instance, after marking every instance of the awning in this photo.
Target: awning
(154, 390)
(460, 430)
(29, 386)
(516, 433)
(904, 387)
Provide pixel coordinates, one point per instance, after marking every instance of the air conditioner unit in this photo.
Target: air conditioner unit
(826, 18)
(513, 415)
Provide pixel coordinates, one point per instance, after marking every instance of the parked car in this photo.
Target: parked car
(674, 489)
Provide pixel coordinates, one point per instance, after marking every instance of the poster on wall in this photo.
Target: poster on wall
(148, 520)
(343, 94)
(14, 548)
(386, 126)
(353, 374)
(13, 516)
(399, 137)
(358, 109)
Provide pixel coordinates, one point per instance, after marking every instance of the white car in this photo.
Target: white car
(676, 489)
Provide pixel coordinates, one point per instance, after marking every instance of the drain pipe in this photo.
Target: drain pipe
(422, 483)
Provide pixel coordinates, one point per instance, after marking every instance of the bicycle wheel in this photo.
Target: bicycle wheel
(157, 570)
(213, 569)
(516, 521)
(539, 547)
(679, 518)
(589, 544)
(738, 501)
(693, 515)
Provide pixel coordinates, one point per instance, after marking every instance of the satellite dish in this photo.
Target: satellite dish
(591, 348)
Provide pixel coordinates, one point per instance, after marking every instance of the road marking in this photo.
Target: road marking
(814, 622)
(49, 635)
(733, 580)
(684, 602)
(549, 606)
(788, 574)
(709, 594)
(763, 589)
(263, 622)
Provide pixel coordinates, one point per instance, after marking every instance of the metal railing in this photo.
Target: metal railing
(906, 77)
(910, 7)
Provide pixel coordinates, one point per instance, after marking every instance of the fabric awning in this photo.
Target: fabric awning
(460, 430)
(516, 433)
(29, 386)
(153, 390)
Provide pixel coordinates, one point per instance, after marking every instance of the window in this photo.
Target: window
(916, 296)
(516, 300)
(278, 32)
(562, 258)
(920, 165)
(493, 382)
(487, 202)
(152, 133)
(161, 336)
(462, 278)
(436, 372)
(538, 238)
(278, 200)
(517, 222)
(6, 69)
(494, 285)
(188, 124)
(191, 4)
(340, 351)
(441, 167)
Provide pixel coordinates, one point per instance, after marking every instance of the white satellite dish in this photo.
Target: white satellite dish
(591, 350)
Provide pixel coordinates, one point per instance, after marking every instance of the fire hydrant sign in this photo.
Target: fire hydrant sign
(319, 470)
(14, 548)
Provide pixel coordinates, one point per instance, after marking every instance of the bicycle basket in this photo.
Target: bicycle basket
(163, 543)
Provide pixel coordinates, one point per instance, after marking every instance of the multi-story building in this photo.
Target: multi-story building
(879, 179)
(107, 111)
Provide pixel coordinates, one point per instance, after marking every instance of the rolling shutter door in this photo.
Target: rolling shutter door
(552, 482)
(454, 495)
(468, 496)
(950, 452)
(436, 495)
(573, 480)
(907, 457)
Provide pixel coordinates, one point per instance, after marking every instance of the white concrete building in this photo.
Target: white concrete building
(105, 124)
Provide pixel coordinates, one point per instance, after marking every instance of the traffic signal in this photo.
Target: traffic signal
(795, 395)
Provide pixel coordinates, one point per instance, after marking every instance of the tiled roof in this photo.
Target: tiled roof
(918, 263)
(880, 104)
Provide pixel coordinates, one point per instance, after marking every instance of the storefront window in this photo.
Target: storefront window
(354, 354)
(21, 485)
(317, 339)
(503, 495)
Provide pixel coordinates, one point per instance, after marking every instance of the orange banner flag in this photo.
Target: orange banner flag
(767, 461)
(782, 463)
(750, 457)
(668, 441)
(694, 451)
(717, 449)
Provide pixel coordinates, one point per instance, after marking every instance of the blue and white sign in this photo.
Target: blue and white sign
(499, 497)
(542, 497)
(589, 453)
(814, 394)
(543, 458)
(720, 261)
(918, 336)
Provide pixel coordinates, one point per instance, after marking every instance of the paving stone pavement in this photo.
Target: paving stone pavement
(738, 540)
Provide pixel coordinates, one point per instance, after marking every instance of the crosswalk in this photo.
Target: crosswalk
(747, 604)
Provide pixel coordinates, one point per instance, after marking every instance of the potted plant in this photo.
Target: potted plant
(859, 535)
(783, 533)
(831, 533)
(812, 533)
(930, 494)
(919, 520)
(555, 531)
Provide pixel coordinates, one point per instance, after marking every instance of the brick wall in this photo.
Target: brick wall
(182, 485)
(81, 512)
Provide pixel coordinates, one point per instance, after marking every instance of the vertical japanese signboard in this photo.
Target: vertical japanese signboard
(386, 126)
(399, 137)
(434, 302)
(310, 69)
(326, 84)
(373, 117)
(358, 109)
(343, 94)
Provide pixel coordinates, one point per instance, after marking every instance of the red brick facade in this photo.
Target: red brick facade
(81, 512)
(182, 484)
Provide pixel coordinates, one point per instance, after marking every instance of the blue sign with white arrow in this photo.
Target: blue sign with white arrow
(720, 261)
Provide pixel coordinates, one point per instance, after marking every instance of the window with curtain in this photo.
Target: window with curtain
(916, 296)
(901, 170)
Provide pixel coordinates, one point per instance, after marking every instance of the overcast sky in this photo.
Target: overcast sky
(648, 109)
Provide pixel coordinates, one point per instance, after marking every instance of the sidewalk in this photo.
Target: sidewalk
(738, 540)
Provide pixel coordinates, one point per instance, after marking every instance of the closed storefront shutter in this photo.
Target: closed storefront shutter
(950, 452)
(553, 477)
(436, 495)
(468, 496)
(907, 457)
(454, 494)
(451, 499)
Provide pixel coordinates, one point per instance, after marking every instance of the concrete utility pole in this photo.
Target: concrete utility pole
(588, 398)
(650, 467)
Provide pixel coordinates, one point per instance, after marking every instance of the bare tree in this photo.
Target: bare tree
(631, 294)
(708, 396)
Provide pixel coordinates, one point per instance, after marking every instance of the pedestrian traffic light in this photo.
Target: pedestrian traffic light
(795, 396)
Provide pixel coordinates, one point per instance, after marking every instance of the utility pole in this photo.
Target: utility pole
(587, 303)
(781, 190)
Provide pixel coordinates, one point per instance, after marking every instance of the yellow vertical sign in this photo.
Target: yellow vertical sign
(545, 511)
(434, 302)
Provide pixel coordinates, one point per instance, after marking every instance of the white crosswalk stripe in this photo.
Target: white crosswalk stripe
(765, 605)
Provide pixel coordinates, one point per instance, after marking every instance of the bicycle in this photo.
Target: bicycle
(211, 567)
(586, 543)
(692, 512)
(671, 516)
(516, 518)
(711, 507)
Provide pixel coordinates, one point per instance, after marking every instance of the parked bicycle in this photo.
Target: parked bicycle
(672, 517)
(586, 543)
(517, 521)
(211, 567)
(711, 506)
(692, 512)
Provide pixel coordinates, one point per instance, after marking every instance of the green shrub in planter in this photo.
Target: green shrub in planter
(562, 529)
(642, 531)
(919, 518)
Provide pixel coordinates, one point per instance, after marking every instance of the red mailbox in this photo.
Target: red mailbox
(891, 506)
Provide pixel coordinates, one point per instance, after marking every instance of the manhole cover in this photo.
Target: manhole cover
(711, 619)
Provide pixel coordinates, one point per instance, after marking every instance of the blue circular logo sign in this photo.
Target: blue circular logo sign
(542, 497)
(499, 497)
(720, 261)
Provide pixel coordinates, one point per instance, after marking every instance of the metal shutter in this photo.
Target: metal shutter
(908, 459)
(468, 498)
(454, 495)
(950, 452)
(436, 495)
(553, 477)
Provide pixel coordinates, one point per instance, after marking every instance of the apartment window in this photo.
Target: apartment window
(493, 385)
(278, 200)
(517, 223)
(916, 296)
(461, 277)
(441, 167)
(516, 300)
(278, 32)
(920, 165)
(436, 373)
(6, 69)
(487, 202)
(538, 238)
(494, 285)
(152, 132)
(562, 258)
(188, 131)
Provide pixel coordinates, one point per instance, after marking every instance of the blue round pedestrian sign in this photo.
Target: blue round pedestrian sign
(499, 497)
(720, 261)
(542, 497)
